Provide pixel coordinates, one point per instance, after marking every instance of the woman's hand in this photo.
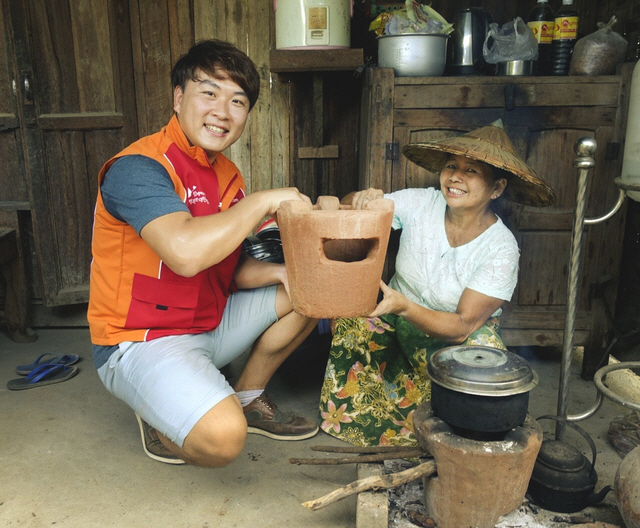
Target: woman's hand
(393, 302)
(361, 198)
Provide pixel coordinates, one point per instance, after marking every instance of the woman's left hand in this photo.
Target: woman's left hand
(393, 302)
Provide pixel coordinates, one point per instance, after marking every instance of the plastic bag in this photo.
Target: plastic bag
(513, 41)
(413, 18)
(598, 53)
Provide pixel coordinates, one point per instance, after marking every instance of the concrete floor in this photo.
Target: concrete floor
(71, 453)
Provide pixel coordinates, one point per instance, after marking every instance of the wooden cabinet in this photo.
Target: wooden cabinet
(544, 117)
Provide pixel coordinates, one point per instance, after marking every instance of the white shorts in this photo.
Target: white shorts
(172, 382)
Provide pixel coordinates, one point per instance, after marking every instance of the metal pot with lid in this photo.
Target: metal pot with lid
(480, 389)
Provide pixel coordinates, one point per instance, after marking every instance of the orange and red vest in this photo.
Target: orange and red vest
(134, 296)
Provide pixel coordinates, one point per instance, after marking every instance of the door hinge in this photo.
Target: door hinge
(392, 151)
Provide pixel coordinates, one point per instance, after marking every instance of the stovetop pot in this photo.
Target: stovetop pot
(480, 389)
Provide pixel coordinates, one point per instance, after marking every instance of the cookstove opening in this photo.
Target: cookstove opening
(349, 249)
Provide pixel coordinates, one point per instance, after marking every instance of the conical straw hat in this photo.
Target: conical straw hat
(491, 145)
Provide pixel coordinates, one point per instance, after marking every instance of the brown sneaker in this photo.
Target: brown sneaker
(264, 418)
(152, 445)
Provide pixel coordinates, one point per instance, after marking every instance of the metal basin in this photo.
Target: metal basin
(414, 54)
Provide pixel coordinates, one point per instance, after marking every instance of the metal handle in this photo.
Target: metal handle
(598, 380)
(26, 85)
(577, 428)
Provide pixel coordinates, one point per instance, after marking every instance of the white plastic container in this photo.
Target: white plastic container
(631, 159)
(313, 24)
(414, 54)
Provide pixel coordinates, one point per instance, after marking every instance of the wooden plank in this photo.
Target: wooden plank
(92, 48)
(533, 117)
(326, 152)
(56, 88)
(8, 122)
(72, 295)
(484, 80)
(138, 68)
(493, 95)
(533, 219)
(316, 60)
(541, 337)
(260, 149)
(15, 206)
(66, 159)
(343, 93)
(210, 19)
(542, 280)
(83, 121)
(377, 131)
(236, 21)
(123, 69)
(156, 81)
(540, 317)
(181, 27)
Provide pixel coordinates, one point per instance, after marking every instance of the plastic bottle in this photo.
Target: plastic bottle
(631, 157)
(565, 34)
(542, 23)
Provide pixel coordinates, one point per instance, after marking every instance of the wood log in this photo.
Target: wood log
(361, 449)
(379, 481)
(378, 457)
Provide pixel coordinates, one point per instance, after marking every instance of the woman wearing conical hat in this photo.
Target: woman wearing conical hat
(457, 264)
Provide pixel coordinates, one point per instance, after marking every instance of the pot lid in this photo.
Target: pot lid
(481, 370)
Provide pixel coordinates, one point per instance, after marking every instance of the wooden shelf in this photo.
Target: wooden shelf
(287, 61)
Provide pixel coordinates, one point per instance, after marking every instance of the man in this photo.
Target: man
(172, 299)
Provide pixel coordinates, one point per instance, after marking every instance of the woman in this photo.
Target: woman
(457, 264)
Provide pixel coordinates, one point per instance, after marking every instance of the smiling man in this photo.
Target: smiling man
(172, 298)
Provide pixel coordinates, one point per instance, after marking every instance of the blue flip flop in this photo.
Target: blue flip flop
(46, 374)
(67, 359)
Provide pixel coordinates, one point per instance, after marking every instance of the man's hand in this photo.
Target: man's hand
(274, 197)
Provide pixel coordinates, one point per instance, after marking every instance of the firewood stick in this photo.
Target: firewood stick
(379, 481)
(362, 449)
(407, 453)
(595, 525)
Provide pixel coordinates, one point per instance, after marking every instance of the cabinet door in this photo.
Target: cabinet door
(76, 108)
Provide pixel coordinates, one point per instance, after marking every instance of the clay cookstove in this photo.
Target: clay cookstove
(334, 255)
(480, 476)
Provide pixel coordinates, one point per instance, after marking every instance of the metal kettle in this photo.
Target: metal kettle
(563, 479)
(470, 28)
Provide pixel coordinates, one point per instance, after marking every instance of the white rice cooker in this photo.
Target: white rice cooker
(313, 24)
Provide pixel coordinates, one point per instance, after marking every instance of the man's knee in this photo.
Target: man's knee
(219, 436)
(229, 442)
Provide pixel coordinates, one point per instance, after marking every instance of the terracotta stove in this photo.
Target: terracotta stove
(334, 255)
(479, 478)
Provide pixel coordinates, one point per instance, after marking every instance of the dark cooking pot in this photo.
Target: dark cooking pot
(563, 479)
(480, 389)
